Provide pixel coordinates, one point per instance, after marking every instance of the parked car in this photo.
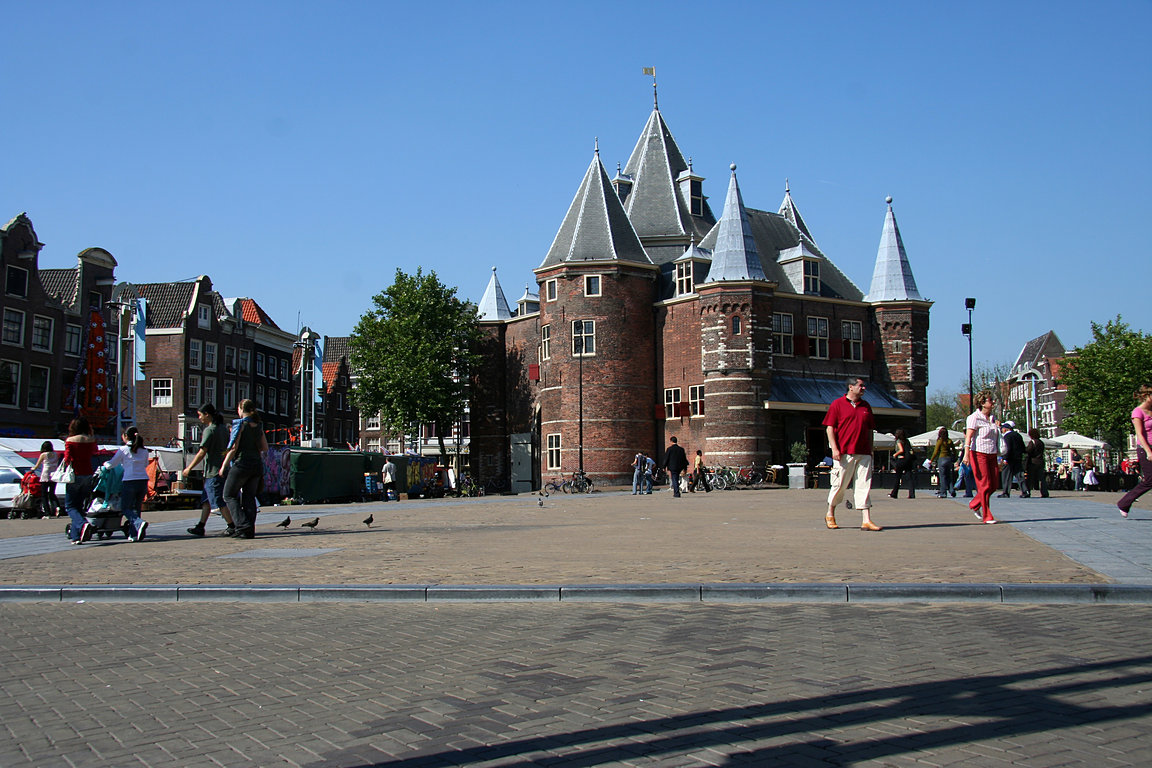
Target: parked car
(9, 486)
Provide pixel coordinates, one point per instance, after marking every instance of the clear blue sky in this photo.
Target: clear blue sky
(298, 153)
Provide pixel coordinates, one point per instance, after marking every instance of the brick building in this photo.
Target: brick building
(201, 347)
(329, 416)
(1035, 386)
(656, 319)
(48, 316)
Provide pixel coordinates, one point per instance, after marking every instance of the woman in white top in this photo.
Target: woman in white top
(133, 456)
(981, 448)
(47, 463)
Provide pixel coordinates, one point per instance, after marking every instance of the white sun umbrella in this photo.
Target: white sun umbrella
(928, 439)
(1079, 442)
(882, 441)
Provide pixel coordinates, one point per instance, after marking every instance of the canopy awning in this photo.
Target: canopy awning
(796, 393)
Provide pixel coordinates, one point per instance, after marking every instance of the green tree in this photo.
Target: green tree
(414, 353)
(943, 409)
(1102, 377)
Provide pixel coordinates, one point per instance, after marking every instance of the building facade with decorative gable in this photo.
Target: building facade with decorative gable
(203, 348)
(49, 370)
(654, 318)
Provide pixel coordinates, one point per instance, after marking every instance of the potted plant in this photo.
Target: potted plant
(799, 453)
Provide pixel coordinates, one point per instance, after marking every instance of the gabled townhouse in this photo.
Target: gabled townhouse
(203, 348)
(58, 354)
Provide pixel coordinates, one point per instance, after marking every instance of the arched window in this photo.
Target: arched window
(736, 325)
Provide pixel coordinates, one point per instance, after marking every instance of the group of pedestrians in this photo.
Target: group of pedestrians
(643, 474)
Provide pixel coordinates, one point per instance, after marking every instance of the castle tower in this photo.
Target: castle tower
(901, 319)
(735, 309)
(597, 355)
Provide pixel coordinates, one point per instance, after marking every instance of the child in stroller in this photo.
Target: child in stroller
(103, 512)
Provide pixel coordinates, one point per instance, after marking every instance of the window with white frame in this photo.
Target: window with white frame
(696, 400)
(95, 300)
(38, 388)
(372, 422)
(282, 397)
(243, 392)
(259, 363)
(194, 433)
(161, 393)
(9, 383)
(260, 397)
(229, 359)
(17, 282)
(782, 333)
(229, 394)
(671, 401)
(591, 285)
(72, 335)
(545, 342)
(583, 338)
(42, 334)
(283, 369)
(550, 290)
(554, 451)
(204, 315)
(811, 276)
(852, 333)
(194, 390)
(245, 362)
(13, 327)
(210, 356)
(209, 390)
(818, 337)
(684, 280)
(195, 353)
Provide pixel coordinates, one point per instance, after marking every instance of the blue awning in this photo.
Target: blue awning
(798, 393)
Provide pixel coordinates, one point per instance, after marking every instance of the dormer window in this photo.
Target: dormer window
(696, 197)
(811, 276)
(204, 315)
(684, 281)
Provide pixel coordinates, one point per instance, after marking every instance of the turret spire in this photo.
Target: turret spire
(892, 278)
(735, 256)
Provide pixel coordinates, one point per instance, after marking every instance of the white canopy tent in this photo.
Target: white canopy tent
(928, 439)
(1079, 442)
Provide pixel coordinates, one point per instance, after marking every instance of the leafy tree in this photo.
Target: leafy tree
(1101, 378)
(414, 354)
(943, 409)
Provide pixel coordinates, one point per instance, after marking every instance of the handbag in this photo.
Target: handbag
(64, 474)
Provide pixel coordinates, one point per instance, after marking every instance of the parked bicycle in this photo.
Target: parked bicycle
(578, 483)
(469, 487)
(555, 485)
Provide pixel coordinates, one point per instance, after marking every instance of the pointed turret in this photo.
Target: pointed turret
(493, 306)
(789, 211)
(892, 277)
(596, 228)
(656, 202)
(735, 256)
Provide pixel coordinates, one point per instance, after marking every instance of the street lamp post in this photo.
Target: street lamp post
(966, 329)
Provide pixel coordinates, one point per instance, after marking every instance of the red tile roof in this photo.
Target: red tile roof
(254, 313)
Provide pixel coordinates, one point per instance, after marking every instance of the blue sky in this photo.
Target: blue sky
(298, 153)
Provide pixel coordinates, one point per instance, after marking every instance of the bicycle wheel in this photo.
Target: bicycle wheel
(588, 485)
(720, 482)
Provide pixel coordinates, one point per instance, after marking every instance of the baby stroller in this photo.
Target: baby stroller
(27, 502)
(104, 505)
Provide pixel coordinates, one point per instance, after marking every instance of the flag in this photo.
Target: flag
(139, 325)
(650, 71)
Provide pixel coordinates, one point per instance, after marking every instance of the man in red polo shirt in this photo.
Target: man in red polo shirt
(849, 424)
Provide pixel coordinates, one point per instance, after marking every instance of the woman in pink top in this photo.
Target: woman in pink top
(1142, 424)
(981, 447)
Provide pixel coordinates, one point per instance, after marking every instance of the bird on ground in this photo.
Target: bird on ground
(368, 521)
(285, 523)
(539, 502)
(311, 523)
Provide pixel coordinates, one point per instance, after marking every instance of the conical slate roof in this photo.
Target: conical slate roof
(735, 256)
(493, 305)
(596, 227)
(789, 211)
(654, 205)
(892, 278)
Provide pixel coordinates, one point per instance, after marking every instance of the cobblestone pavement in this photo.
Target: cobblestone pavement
(734, 536)
(486, 685)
